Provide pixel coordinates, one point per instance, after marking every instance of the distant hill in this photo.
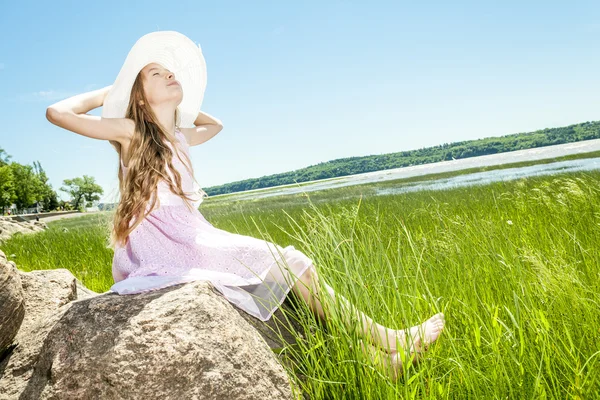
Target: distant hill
(446, 151)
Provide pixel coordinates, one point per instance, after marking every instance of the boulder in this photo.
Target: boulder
(182, 342)
(9, 227)
(12, 303)
(45, 291)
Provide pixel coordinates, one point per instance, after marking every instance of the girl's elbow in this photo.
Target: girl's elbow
(52, 114)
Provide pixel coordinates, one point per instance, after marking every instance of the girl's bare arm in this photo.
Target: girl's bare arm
(71, 114)
(206, 127)
(204, 119)
(81, 103)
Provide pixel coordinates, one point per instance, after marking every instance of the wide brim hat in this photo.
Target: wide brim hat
(175, 52)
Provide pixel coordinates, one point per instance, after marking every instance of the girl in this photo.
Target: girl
(159, 236)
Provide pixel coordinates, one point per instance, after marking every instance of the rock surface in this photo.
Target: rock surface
(8, 227)
(181, 342)
(12, 303)
(45, 291)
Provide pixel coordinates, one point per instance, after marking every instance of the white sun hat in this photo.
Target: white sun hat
(175, 52)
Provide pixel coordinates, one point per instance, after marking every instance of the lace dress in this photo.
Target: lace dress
(173, 245)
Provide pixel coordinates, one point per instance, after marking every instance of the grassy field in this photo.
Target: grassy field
(514, 266)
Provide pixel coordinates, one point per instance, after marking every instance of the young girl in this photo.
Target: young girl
(159, 236)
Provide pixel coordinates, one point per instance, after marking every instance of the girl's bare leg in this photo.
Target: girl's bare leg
(390, 362)
(413, 339)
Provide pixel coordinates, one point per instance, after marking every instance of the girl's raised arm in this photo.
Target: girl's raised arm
(71, 114)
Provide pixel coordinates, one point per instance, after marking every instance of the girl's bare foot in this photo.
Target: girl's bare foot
(412, 345)
(419, 337)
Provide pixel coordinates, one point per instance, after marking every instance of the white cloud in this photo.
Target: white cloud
(46, 95)
(54, 95)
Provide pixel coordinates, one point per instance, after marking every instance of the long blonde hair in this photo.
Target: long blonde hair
(149, 157)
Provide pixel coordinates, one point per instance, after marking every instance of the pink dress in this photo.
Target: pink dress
(173, 245)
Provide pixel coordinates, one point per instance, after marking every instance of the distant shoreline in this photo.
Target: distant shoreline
(446, 152)
(442, 169)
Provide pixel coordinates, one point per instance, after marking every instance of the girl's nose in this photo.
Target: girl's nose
(170, 75)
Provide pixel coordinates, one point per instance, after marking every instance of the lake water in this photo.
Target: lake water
(538, 153)
(481, 178)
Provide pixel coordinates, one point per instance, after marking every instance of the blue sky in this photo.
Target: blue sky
(298, 83)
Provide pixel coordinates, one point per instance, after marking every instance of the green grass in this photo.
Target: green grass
(514, 266)
(72, 243)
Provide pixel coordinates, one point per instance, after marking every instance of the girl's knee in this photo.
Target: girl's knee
(310, 274)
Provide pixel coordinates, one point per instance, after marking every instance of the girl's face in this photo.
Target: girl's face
(161, 85)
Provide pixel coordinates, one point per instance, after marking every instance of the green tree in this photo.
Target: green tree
(4, 157)
(26, 185)
(82, 189)
(47, 194)
(7, 186)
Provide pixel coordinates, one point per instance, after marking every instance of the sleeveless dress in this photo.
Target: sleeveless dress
(173, 245)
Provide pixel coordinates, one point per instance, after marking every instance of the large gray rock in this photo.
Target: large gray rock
(12, 303)
(45, 291)
(45, 294)
(9, 227)
(184, 342)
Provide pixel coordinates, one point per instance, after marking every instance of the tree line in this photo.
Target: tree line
(443, 152)
(24, 187)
